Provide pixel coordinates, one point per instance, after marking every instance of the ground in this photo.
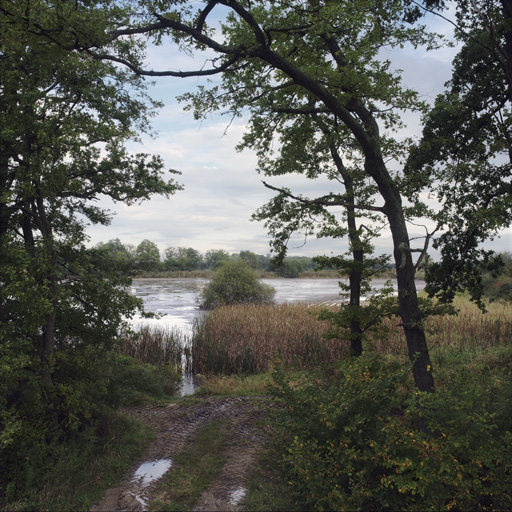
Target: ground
(174, 426)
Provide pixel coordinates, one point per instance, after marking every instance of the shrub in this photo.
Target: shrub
(235, 282)
(352, 442)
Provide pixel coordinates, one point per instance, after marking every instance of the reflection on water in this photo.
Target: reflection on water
(147, 473)
(236, 496)
(151, 471)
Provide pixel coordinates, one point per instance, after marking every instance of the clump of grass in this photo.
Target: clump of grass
(246, 339)
(155, 345)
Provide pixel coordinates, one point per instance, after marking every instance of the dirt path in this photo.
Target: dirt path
(174, 425)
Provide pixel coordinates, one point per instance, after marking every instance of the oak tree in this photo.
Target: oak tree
(313, 57)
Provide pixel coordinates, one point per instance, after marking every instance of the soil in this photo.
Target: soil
(174, 426)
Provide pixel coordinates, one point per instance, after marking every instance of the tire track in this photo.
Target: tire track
(174, 425)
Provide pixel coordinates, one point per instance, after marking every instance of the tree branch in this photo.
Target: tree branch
(324, 201)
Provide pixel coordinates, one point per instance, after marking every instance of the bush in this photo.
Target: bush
(235, 282)
(352, 441)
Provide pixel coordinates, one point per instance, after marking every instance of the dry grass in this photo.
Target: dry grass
(155, 345)
(468, 330)
(247, 339)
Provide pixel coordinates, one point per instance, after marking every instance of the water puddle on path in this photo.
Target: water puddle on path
(148, 473)
(236, 496)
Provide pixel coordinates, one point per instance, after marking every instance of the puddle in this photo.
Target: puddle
(147, 473)
(236, 496)
(150, 471)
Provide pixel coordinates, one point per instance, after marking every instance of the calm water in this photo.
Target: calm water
(177, 299)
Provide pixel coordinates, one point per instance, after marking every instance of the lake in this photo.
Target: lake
(177, 299)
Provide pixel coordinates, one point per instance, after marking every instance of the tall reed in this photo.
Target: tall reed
(246, 339)
(155, 345)
(470, 329)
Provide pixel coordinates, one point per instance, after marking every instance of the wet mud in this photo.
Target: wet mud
(174, 426)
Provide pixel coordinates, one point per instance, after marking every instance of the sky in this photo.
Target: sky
(222, 188)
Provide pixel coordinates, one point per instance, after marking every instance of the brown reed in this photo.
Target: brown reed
(155, 345)
(246, 339)
(470, 329)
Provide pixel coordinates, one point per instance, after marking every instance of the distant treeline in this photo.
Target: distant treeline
(147, 258)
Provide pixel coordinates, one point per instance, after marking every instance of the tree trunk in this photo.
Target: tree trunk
(410, 313)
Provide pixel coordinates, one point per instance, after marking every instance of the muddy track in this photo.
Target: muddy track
(174, 426)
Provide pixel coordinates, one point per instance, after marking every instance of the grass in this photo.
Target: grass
(248, 339)
(267, 489)
(155, 345)
(85, 471)
(194, 469)
(469, 330)
(233, 385)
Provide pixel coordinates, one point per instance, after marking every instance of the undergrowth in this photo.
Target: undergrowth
(350, 440)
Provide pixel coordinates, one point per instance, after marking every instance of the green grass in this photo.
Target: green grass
(232, 385)
(86, 470)
(267, 489)
(193, 469)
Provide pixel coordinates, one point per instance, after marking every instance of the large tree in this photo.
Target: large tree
(467, 148)
(321, 56)
(65, 119)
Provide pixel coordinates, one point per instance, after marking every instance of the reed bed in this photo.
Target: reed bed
(469, 330)
(247, 339)
(155, 345)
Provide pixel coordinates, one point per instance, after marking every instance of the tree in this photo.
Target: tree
(250, 258)
(215, 257)
(320, 57)
(117, 254)
(182, 258)
(233, 283)
(147, 256)
(65, 119)
(313, 144)
(466, 146)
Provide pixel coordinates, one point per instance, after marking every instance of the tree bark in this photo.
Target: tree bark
(410, 313)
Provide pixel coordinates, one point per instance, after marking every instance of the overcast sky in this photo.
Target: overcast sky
(221, 186)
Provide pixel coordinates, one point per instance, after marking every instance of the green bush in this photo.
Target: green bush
(235, 282)
(352, 442)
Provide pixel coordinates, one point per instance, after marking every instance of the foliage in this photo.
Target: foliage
(351, 442)
(499, 287)
(147, 256)
(235, 282)
(465, 149)
(117, 254)
(182, 258)
(215, 257)
(311, 77)
(83, 469)
(65, 119)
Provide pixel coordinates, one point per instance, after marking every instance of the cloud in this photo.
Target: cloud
(222, 187)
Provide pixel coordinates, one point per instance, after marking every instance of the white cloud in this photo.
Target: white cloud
(222, 187)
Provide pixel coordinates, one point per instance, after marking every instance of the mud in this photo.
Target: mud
(174, 426)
